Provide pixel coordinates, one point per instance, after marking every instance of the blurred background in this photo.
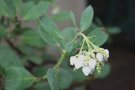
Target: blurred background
(120, 14)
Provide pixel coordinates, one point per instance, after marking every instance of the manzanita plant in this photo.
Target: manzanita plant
(25, 59)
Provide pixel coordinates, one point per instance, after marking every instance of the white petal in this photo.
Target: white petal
(86, 70)
(107, 52)
(100, 57)
(81, 57)
(78, 63)
(73, 60)
(107, 55)
(92, 63)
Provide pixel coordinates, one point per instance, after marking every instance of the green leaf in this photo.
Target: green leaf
(1, 71)
(40, 71)
(10, 8)
(69, 47)
(98, 36)
(18, 78)
(69, 33)
(104, 72)
(27, 7)
(26, 49)
(17, 4)
(61, 16)
(73, 18)
(78, 75)
(52, 79)
(37, 10)
(3, 31)
(31, 37)
(49, 32)
(3, 9)
(42, 86)
(65, 78)
(36, 59)
(86, 18)
(8, 57)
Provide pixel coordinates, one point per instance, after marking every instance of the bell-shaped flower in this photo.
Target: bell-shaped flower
(92, 63)
(86, 70)
(99, 57)
(107, 55)
(77, 61)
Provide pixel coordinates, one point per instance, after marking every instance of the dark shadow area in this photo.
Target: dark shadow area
(119, 13)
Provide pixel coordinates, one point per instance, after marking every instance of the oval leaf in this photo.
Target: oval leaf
(48, 31)
(86, 18)
(73, 18)
(17, 78)
(52, 79)
(10, 8)
(8, 57)
(98, 36)
(36, 11)
(31, 37)
(104, 72)
(65, 78)
(69, 33)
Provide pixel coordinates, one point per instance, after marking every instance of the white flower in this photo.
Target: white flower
(86, 70)
(107, 52)
(99, 57)
(73, 60)
(77, 61)
(106, 56)
(92, 63)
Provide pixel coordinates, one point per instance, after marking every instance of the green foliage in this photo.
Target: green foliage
(23, 46)
(17, 4)
(40, 71)
(42, 86)
(8, 57)
(31, 37)
(98, 36)
(10, 8)
(35, 59)
(73, 18)
(36, 10)
(65, 78)
(104, 72)
(48, 31)
(69, 47)
(3, 31)
(26, 8)
(52, 79)
(78, 76)
(86, 18)
(68, 34)
(17, 78)
(3, 8)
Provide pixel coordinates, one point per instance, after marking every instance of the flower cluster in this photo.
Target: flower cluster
(89, 60)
